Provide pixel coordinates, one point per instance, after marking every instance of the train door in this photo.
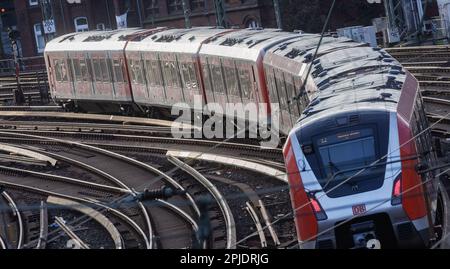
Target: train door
(103, 89)
(155, 82)
(189, 77)
(122, 91)
(206, 75)
(172, 78)
(63, 83)
(81, 78)
(138, 85)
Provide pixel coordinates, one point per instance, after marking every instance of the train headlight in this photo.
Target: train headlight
(397, 191)
(318, 210)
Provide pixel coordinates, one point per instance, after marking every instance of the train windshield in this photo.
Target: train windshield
(339, 154)
(347, 155)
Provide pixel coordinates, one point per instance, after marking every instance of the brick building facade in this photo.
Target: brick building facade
(70, 16)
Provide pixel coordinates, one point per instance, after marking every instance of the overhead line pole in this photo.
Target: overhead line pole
(276, 6)
(187, 14)
(219, 6)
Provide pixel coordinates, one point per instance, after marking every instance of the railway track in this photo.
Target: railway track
(11, 225)
(431, 66)
(101, 176)
(33, 84)
(151, 139)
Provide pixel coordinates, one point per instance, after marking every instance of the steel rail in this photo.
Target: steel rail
(60, 221)
(226, 211)
(19, 218)
(43, 231)
(259, 229)
(112, 210)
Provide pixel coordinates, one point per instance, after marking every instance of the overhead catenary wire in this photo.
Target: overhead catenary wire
(325, 26)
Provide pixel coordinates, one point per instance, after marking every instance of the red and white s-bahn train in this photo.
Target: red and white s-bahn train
(357, 134)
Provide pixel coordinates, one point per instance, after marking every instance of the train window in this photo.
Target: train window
(90, 73)
(156, 66)
(231, 80)
(291, 93)
(153, 73)
(270, 80)
(105, 72)
(118, 74)
(171, 74)
(84, 70)
(245, 80)
(217, 78)
(290, 90)
(188, 75)
(131, 71)
(97, 69)
(76, 69)
(206, 76)
(281, 87)
(167, 73)
(110, 70)
(149, 72)
(346, 153)
(136, 71)
(64, 71)
(304, 99)
(57, 67)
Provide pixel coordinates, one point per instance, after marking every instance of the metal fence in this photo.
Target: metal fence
(27, 65)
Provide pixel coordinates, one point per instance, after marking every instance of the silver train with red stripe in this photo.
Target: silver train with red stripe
(357, 171)
(360, 158)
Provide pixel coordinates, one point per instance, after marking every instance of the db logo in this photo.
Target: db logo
(74, 1)
(374, 1)
(359, 210)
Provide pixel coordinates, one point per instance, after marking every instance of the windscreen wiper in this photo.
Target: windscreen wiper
(362, 168)
(333, 165)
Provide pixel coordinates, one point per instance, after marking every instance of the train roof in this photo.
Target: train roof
(96, 40)
(176, 40)
(246, 44)
(291, 56)
(368, 79)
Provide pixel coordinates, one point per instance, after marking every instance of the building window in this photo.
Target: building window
(153, 7)
(33, 3)
(235, 2)
(175, 6)
(81, 24)
(40, 41)
(252, 23)
(101, 27)
(197, 4)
